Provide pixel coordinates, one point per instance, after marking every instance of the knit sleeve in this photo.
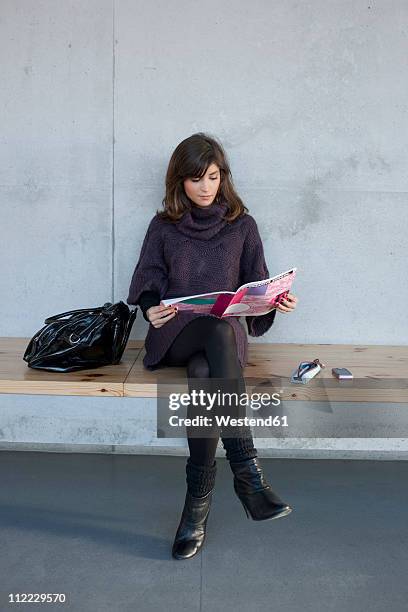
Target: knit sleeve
(148, 299)
(253, 268)
(151, 273)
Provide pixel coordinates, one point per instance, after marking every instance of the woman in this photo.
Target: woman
(203, 241)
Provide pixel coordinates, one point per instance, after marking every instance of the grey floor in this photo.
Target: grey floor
(99, 528)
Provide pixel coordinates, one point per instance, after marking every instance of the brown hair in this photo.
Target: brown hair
(191, 159)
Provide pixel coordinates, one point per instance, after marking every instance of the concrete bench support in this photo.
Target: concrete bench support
(78, 421)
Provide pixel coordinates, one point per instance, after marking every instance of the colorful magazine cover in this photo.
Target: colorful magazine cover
(252, 299)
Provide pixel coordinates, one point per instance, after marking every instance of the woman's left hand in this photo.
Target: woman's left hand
(288, 304)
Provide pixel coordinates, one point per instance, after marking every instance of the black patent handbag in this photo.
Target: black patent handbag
(81, 339)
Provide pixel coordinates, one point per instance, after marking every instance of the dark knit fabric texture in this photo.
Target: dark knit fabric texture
(147, 300)
(239, 449)
(200, 478)
(200, 253)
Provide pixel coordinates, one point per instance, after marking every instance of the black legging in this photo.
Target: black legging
(207, 346)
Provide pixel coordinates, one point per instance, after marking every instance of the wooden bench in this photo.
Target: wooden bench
(380, 373)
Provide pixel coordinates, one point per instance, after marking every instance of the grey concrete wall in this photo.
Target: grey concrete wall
(308, 98)
(55, 159)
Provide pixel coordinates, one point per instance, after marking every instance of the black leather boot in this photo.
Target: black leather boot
(256, 495)
(191, 531)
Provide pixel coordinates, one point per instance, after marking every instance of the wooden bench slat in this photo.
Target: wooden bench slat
(17, 377)
(380, 373)
(382, 368)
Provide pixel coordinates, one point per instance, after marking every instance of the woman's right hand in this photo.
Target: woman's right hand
(159, 315)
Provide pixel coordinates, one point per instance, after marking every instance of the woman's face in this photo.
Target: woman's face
(202, 191)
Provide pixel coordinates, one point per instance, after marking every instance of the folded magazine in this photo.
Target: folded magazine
(252, 299)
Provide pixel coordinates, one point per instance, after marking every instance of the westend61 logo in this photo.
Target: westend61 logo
(219, 401)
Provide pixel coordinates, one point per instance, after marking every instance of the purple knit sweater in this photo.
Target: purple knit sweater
(200, 253)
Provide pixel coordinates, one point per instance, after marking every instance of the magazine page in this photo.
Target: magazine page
(260, 297)
(251, 299)
(203, 303)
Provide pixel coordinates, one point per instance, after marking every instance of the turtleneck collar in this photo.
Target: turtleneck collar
(203, 222)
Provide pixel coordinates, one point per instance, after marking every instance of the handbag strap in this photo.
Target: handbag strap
(80, 310)
(118, 349)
